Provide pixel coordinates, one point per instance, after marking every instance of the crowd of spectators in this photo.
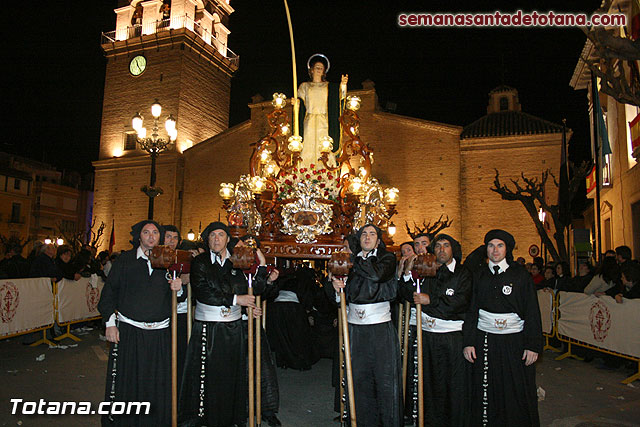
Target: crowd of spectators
(616, 275)
(56, 262)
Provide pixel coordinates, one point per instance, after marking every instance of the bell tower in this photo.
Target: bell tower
(175, 51)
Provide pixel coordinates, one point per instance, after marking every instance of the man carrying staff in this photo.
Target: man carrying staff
(407, 279)
(136, 305)
(375, 350)
(214, 386)
(502, 338)
(445, 300)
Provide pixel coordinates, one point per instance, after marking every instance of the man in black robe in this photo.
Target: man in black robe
(421, 245)
(269, 390)
(172, 238)
(502, 338)
(375, 350)
(136, 306)
(214, 388)
(445, 300)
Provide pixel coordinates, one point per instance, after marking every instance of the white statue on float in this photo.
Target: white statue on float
(320, 110)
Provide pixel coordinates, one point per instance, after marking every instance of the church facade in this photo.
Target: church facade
(440, 169)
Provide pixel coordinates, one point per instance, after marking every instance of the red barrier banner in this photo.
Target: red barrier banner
(601, 322)
(78, 300)
(25, 305)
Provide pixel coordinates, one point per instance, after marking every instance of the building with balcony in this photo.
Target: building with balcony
(38, 202)
(618, 173)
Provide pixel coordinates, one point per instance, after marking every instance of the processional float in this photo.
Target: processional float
(306, 211)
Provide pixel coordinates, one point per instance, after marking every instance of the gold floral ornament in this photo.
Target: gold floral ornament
(306, 218)
(326, 181)
(242, 210)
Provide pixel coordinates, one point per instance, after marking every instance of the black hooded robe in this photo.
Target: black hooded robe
(219, 349)
(510, 385)
(375, 350)
(139, 367)
(143, 357)
(444, 369)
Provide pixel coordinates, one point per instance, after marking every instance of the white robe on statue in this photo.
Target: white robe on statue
(316, 122)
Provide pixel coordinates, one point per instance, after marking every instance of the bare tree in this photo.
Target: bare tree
(530, 192)
(76, 239)
(13, 242)
(608, 61)
(429, 228)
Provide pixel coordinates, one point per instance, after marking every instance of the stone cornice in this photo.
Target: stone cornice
(237, 128)
(136, 161)
(512, 141)
(172, 38)
(425, 124)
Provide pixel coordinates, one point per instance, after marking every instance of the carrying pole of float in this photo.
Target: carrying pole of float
(347, 357)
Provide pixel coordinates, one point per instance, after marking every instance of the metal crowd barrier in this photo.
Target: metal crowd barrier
(15, 308)
(557, 305)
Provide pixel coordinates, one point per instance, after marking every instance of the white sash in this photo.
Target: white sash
(145, 325)
(499, 323)
(287, 296)
(217, 313)
(433, 324)
(182, 307)
(369, 314)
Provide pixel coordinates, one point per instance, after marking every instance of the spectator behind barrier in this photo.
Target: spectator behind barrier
(537, 277)
(44, 266)
(14, 265)
(563, 276)
(64, 264)
(549, 281)
(630, 279)
(585, 274)
(608, 276)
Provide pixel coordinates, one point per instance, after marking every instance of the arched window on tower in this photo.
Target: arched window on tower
(504, 103)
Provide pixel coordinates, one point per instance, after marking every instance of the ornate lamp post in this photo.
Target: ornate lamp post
(542, 215)
(154, 145)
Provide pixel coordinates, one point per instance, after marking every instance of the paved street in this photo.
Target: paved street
(577, 393)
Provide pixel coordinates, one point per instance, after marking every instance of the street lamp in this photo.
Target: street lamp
(541, 216)
(154, 145)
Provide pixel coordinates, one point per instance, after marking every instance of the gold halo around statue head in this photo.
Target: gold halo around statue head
(320, 55)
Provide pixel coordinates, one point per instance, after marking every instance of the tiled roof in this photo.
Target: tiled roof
(506, 123)
(502, 88)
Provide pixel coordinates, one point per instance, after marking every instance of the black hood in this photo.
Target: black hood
(137, 229)
(455, 245)
(356, 240)
(506, 237)
(216, 225)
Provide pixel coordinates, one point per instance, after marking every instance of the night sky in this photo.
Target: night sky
(54, 66)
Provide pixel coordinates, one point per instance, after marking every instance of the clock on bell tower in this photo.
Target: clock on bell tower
(175, 51)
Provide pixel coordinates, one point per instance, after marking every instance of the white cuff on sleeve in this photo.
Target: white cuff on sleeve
(111, 321)
(235, 298)
(407, 277)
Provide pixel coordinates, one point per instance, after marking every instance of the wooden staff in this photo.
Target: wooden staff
(250, 357)
(341, 359)
(264, 315)
(420, 367)
(405, 346)
(189, 312)
(400, 323)
(258, 366)
(347, 357)
(174, 356)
